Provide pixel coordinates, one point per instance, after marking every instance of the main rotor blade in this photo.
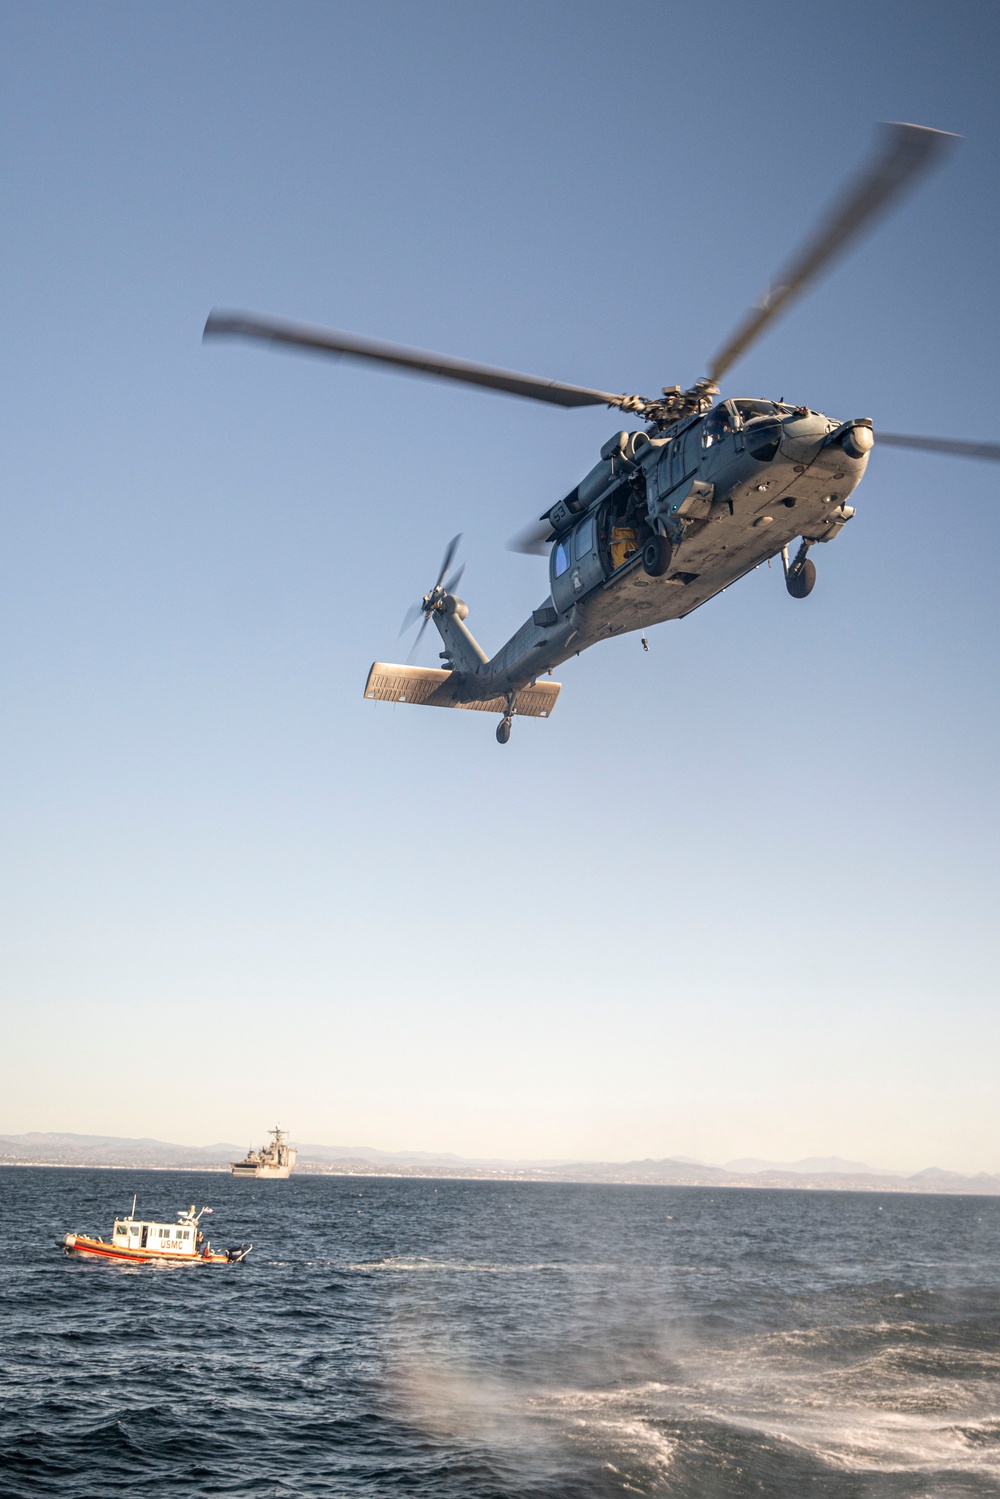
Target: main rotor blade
(955, 447)
(906, 152)
(417, 361)
(532, 539)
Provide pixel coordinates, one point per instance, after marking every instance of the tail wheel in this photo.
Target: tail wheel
(656, 556)
(800, 583)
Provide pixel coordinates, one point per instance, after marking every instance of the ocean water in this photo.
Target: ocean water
(501, 1340)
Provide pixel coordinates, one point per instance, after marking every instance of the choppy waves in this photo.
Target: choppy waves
(487, 1340)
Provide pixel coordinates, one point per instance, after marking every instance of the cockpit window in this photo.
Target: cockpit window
(561, 562)
(715, 427)
(749, 410)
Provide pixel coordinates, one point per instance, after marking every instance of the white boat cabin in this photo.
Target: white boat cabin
(183, 1237)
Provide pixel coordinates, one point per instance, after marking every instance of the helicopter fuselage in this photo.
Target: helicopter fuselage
(672, 515)
(663, 523)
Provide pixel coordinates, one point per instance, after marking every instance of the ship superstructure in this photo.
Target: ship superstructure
(277, 1159)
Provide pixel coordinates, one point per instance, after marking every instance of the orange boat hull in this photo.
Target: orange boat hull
(100, 1249)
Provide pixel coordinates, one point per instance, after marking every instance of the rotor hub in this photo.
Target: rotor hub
(674, 405)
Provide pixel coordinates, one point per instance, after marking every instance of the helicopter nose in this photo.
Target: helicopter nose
(802, 437)
(857, 439)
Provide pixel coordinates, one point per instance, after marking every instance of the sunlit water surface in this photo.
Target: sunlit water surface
(502, 1339)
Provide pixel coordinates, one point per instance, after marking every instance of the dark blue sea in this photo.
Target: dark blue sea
(501, 1340)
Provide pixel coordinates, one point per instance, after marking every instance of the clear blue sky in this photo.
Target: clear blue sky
(739, 896)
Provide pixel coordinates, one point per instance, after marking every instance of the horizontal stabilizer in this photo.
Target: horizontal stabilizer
(434, 688)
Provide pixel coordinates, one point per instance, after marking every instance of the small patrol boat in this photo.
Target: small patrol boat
(140, 1241)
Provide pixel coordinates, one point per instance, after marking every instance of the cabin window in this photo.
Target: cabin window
(561, 562)
(585, 537)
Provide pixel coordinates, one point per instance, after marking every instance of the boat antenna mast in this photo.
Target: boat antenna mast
(191, 1216)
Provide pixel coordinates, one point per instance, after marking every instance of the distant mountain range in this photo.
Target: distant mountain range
(809, 1166)
(110, 1150)
(830, 1173)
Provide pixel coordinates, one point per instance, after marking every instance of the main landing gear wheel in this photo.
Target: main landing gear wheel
(503, 731)
(800, 580)
(656, 556)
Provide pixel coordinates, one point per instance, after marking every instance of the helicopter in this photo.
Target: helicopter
(670, 515)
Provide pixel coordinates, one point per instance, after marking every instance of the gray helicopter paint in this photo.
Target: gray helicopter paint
(745, 512)
(462, 653)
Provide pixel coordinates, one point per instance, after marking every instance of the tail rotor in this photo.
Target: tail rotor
(431, 600)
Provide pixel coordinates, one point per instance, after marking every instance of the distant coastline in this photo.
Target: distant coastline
(120, 1154)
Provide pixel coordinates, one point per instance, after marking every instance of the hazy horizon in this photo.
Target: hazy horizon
(829, 1162)
(738, 897)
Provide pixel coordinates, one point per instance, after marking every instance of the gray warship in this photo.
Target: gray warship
(276, 1159)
